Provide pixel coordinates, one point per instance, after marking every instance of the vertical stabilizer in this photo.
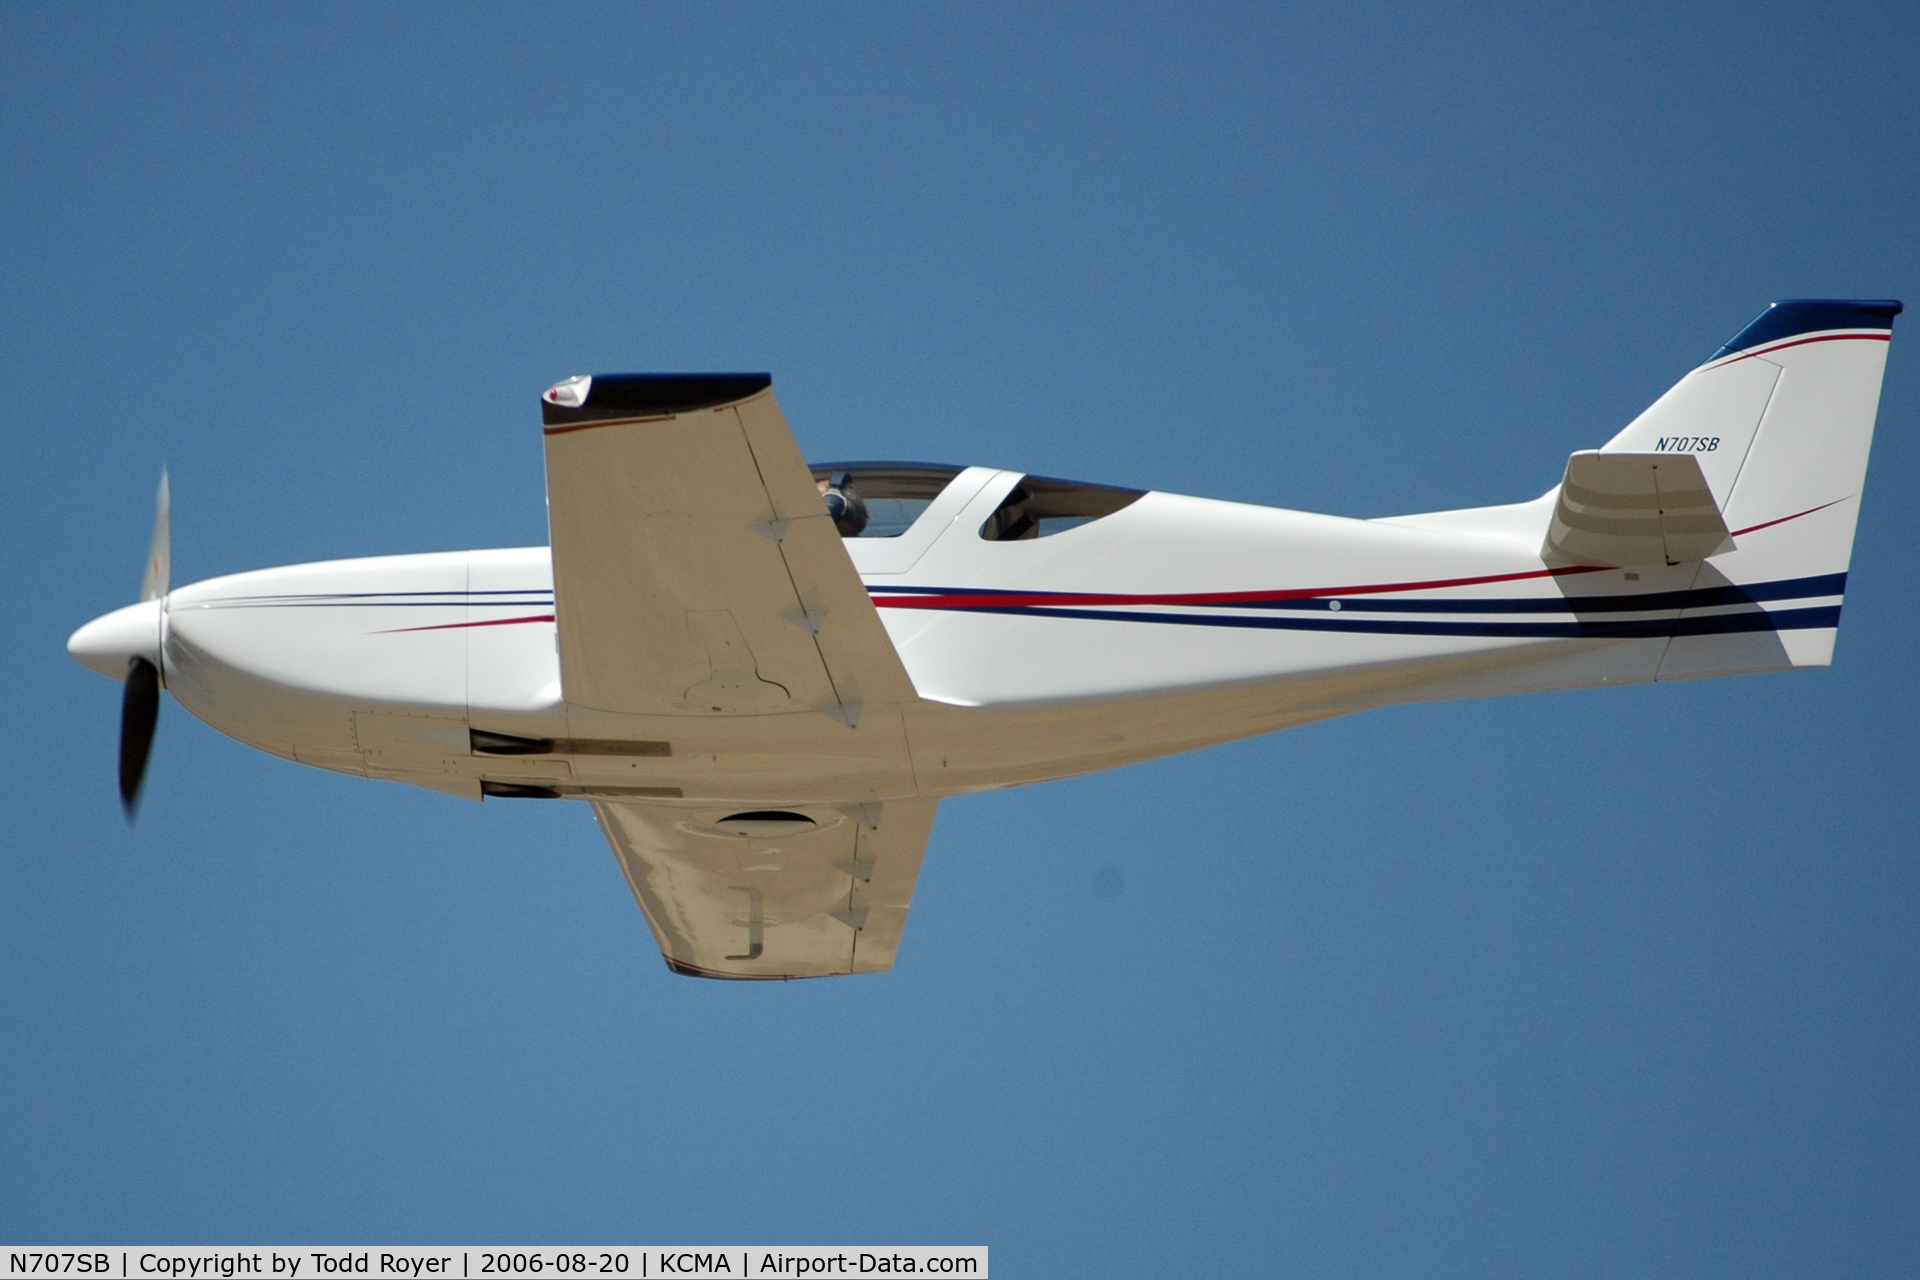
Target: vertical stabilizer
(1781, 421)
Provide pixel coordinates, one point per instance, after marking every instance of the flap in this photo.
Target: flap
(695, 568)
(1635, 509)
(799, 893)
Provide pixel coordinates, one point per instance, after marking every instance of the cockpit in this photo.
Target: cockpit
(880, 499)
(884, 499)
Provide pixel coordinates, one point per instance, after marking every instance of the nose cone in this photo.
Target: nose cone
(109, 642)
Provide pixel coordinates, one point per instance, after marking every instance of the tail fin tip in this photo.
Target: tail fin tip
(1792, 317)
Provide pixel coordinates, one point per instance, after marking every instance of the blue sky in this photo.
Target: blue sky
(1580, 984)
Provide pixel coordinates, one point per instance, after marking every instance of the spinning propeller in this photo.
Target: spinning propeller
(125, 644)
(140, 705)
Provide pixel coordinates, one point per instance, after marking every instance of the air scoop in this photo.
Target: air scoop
(111, 641)
(767, 824)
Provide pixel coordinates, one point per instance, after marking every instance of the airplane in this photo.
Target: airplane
(763, 676)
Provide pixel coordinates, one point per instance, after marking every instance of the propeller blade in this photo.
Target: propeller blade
(160, 555)
(139, 712)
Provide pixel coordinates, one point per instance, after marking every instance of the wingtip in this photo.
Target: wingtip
(615, 396)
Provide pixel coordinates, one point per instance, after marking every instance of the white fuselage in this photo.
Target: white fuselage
(1172, 624)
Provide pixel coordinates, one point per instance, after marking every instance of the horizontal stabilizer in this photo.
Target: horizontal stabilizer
(1635, 509)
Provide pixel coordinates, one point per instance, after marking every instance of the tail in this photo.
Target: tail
(1779, 422)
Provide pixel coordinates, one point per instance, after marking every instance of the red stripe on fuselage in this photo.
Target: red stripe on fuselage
(455, 626)
(1753, 528)
(1014, 600)
(1018, 599)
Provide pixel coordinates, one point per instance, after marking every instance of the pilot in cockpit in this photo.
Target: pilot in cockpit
(848, 509)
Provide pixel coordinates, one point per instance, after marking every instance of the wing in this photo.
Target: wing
(772, 894)
(695, 568)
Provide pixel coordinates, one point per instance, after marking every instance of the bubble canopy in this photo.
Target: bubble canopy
(897, 493)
